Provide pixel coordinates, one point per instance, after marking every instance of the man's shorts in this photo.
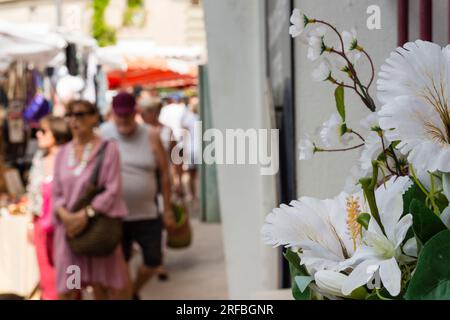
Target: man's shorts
(147, 233)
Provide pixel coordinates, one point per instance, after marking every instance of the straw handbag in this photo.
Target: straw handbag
(180, 235)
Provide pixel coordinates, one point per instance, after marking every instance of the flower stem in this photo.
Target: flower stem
(372, 66)
(340, 150)
(424, 190)
(357, 134)
(368, 186)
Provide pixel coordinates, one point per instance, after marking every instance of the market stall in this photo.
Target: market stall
(40, 70)
(142, 63)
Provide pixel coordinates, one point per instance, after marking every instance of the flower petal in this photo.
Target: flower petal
(390, 275)
(402, 228)
(360, 276)
(410, 247)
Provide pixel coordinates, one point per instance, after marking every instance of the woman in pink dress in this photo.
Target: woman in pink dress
(53, 133)
(73, 168)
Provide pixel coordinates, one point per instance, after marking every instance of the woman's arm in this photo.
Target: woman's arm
(162, 160)
(58, 199)
(110, 201)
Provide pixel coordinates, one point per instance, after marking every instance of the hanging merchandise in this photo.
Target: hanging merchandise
(89, 92)
(101, 85)
(36, 109)
(3, 98)
(16, 126)
(71, 59)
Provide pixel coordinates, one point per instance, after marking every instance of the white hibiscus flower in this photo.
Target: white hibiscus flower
(381, 251)
(414, 87)
(325, 231)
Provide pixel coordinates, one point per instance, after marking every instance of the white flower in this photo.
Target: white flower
(315, 48)
(330, 282)
(370, 121)
(298, 21)
(414, 87)
(372, 149)
(306, 148)
(331, 134)
(380, 252)
(326, 231)
(349, 39)
(322, 72)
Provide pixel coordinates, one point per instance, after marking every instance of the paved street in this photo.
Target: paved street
(195, 273)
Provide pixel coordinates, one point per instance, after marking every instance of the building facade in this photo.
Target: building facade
(253, 64)
(163, 22)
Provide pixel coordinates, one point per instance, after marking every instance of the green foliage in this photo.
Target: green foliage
(414, 192)
(340, 103)
(135, 3)
(296, 270)
(431, 279)
(425, 223)
(363, 219)
(104, 34)
(133, 12)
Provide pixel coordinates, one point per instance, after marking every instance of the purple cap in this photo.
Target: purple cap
(124, 104)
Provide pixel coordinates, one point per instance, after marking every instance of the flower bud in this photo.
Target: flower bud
(330, 282)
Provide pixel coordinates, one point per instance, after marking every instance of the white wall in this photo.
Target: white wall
(235, 36)
(324, 176)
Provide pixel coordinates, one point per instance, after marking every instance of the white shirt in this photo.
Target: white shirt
(171, 116)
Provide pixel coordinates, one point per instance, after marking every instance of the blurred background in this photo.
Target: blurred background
(238, 58)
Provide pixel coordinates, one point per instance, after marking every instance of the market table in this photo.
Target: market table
(19, 272)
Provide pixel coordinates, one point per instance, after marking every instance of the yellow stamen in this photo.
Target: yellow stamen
(353, 212)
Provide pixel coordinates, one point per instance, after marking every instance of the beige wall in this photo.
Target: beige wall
(76, 13)
(168, 22)
(325, 174)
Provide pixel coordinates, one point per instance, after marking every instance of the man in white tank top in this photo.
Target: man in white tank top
(142, 154)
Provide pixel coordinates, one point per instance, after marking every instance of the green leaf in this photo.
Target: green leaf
(414, 192)
(297, 270)
(303, 282)
(363, 219)
(340, 104)
(425, 223)
(431, 280)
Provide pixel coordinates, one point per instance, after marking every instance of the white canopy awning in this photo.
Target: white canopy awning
(33, 44)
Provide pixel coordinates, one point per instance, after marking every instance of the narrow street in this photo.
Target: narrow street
(194, 273)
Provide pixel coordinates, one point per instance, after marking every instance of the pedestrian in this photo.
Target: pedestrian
(192, 145)
(150, 110)
(74, 166)
(142, 154)
(53, 133)
(171, 115)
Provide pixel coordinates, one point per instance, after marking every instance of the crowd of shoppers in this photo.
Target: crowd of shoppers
(126, 160)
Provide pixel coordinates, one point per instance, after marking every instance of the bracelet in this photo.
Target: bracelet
(90, 212)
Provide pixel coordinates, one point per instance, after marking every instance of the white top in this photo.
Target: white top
(171, 116)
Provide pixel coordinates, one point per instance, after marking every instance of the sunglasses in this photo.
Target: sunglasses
(79, 115)
(42, 130)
